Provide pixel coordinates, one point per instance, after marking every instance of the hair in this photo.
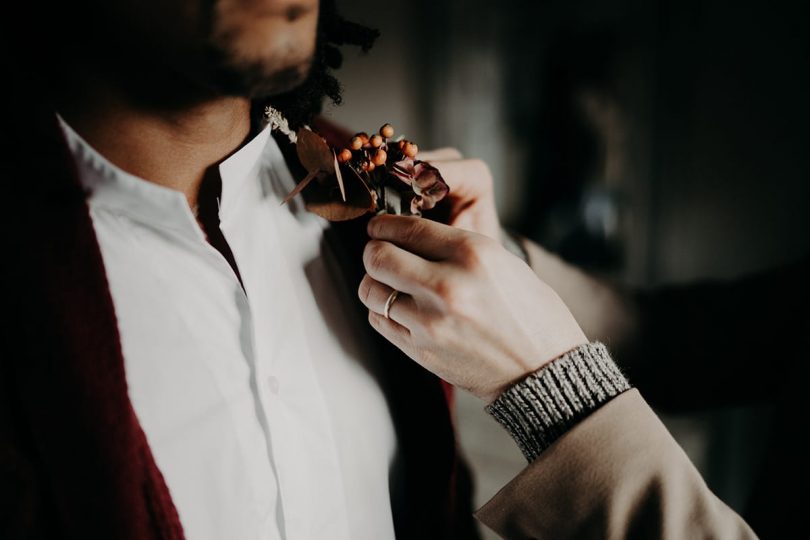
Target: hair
(302, 104)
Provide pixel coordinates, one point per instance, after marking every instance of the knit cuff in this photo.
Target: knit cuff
(543, 406)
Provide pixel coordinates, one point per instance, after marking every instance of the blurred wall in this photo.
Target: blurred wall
(731, 171)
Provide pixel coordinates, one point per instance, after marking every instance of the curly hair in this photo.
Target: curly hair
(303, 103)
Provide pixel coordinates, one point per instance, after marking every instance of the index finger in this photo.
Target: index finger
(431, 240)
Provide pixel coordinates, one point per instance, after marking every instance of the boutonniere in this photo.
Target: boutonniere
(371, 174)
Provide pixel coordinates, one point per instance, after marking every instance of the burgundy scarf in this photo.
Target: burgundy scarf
(74, 461)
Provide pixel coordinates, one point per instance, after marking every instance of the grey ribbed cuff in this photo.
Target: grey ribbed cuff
(543, 406)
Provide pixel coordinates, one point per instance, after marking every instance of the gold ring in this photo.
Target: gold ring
(391, 298)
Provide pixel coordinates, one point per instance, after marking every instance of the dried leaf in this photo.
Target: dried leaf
(416, 205)
(323, 199)
(339, 177)
(335, 210)
(403, 170)
(301, 185)
(428, 184)
(313, 152)
(425, 180)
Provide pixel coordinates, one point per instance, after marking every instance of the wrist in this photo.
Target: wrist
(544, 405)
(528, 362)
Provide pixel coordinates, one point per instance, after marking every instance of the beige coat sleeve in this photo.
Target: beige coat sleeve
(616, 474)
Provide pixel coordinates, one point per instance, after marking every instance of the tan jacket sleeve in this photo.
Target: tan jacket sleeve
(617, 473)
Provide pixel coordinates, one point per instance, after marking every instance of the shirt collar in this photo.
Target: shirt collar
(113, 188)
(239, 170)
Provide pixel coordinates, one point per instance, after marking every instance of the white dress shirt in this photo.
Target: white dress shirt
(259, 404)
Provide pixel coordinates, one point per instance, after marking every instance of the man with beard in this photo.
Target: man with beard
(184, 355)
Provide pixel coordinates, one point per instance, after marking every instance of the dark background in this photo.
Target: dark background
(656, 142)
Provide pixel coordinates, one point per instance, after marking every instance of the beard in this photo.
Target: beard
(255, 79)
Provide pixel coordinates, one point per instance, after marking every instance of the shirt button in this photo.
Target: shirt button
(272, 384)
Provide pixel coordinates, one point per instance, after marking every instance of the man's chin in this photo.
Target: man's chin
(255, 81)
(280, 82)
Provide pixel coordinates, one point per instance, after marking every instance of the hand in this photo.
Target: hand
(468, 310)
(472, 194)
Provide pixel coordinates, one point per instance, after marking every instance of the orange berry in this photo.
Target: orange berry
(363, 136)
(387, 131)
(345, 155)
(356, 143)
(367, 166)
(402, 144)
(379, 158)
(410, 150)
(375, 141)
